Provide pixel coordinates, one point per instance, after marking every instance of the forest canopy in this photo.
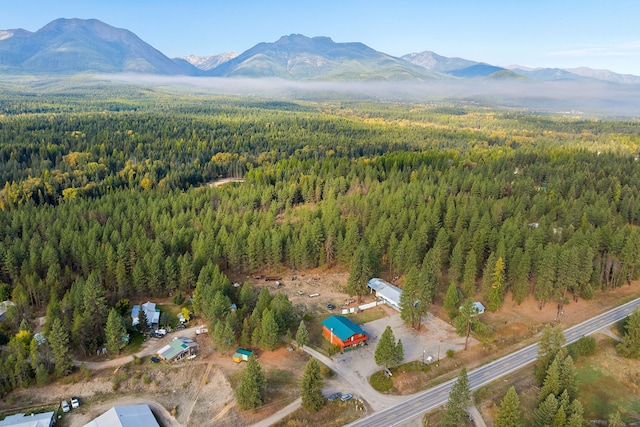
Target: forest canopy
(109, 200)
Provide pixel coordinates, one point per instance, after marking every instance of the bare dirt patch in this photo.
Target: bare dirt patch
(298, 285)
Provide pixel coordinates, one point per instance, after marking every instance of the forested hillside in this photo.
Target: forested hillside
(109, 199)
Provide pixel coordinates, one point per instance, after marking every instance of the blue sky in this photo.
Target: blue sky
(540, 33)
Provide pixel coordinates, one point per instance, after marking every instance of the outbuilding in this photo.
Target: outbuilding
(344, 333)
(386, 292)
(241, 355)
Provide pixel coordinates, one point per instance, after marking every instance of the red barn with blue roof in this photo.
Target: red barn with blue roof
(344, 333)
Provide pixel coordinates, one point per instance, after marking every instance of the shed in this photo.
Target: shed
(385, 291)
(241, 354)
(126, 416)
(178, 348)
(344, 333)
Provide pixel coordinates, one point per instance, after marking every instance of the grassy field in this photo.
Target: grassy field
(607, 383)
(333, 414)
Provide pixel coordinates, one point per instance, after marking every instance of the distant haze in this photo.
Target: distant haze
(569, 98)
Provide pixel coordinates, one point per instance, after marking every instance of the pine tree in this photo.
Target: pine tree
(470, 273)
(228, 335)
(456, 262)
(312, 383)
(115, 332)
(385, 353)
(509, 414)
(398, 354)
(408, 298)
(452, 301)
(245, 335)
(560, 418)
(615, 420)
(467, 321)
(575, 414)
(364, 265)
(551, 341)
(630, 344)
(59, 342)
(143, 322)
(455, 411)
(218, 335)
(551, 383)
(251, 392)
(568, 380)
(545, 412)
(302, 336)
(496, 291)
(42, 375)
(269, 336)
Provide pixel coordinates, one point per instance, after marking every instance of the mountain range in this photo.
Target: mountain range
(71, 46)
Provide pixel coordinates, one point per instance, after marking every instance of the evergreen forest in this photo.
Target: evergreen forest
(107, 199)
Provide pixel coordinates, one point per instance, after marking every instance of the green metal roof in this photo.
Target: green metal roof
(342, 327)
(246, 352)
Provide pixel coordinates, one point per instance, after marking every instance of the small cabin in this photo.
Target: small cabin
(241, 355)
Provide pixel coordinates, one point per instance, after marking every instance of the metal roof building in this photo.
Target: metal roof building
(178, 348)
(45, 419)
(343, 332)
(153, 314)
(386, 291)
(126, 416)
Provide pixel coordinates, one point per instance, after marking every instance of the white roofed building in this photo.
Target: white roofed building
(126, 416)
(385, 291)
(45, 419)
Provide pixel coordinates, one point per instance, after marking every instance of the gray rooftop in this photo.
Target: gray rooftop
(126, 416)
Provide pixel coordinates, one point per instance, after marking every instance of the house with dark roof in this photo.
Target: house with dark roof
(344, 333)
(126, 416)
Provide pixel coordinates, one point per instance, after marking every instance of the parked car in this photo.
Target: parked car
(330, 306)
(180, 326)
(155, 359)
(346, 397)
(161, 332)
(334, 396)
(75, 402)
(65, 406)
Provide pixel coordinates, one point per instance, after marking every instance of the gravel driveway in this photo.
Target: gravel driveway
(355, 367)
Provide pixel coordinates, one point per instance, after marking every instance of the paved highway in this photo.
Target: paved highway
(438, 395)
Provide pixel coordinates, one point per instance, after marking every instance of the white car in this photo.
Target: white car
(75, 402)
(65, 406)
